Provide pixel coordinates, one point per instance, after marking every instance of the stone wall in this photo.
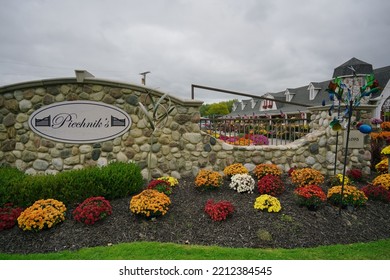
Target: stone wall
(178, 149)
(317, 149)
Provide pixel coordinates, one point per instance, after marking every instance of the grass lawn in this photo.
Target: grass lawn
(377, 250)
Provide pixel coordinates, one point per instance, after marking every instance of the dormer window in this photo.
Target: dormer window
(253, 103)
(312, 91)
(288, 95)
(234, 108)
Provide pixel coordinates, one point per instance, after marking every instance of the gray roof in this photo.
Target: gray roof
(302, 94)
(361, 68)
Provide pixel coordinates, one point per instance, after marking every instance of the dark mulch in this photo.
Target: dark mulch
(187, 223)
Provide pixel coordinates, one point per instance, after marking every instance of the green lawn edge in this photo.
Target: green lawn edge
(376, 250)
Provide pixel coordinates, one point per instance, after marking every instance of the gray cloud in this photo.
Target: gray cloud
(252, 46)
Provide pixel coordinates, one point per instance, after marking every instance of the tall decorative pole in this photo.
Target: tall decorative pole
(337, 142)
(352, 99)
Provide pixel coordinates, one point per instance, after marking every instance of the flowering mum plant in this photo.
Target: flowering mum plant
(44, 213)
(171, 180)
(150, 203)
(337, 180)
(9, 215)
(92, 210)
(207, 179)
(291, 170)
(161, 186)
(386, 150)
(351, 196)
(271, 184)
(382, 180)
(267, 202)
(306, 176)
(377, 192)
(383, 166)
(257, 139)
(236, 168)
(264, 169)
(355, 174)
(311, 196)
(385, 126)
(218, 211)
(376, 121)
(242, 183)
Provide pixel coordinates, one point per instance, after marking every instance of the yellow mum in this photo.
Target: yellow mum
(267, 202)
(386, 150)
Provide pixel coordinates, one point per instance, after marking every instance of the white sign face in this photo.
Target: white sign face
(79, 122)
(356, 139)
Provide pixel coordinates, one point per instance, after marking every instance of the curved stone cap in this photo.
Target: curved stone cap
(95, 81)
(361, 68)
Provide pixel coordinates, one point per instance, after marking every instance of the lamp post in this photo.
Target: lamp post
(143, 74)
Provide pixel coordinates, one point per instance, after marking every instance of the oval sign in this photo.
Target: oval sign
(79, 122)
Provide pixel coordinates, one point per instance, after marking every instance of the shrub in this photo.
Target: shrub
(267, 202)
(120, 179)
(242, 183)
(236, 168)
(115, 180)
(351, 196)
(311, 196)
(382, 180)
(218, 211)
(264, 169)
(33, 188)
(207, 179)
(271, 184)
(306, 176)
(92, 210)
(376, 192)
(9, 179)
(150, 203)
(8, 216)
(171, 180)
(44, 213)
(161, 186)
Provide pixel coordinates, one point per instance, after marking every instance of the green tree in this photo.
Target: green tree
(220, 108)
(217, 109)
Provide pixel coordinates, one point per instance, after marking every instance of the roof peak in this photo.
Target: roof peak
(359, 66)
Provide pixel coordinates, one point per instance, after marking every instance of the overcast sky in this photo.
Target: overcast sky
(252, 46)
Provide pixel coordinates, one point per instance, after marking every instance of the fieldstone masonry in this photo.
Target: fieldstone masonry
(179, 149)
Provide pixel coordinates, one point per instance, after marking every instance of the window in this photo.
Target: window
(312, 91)
(288, 95)
(253, 103)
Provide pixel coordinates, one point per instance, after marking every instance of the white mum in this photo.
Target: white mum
(242, 183)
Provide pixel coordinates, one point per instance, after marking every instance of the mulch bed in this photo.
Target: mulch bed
(187, 223)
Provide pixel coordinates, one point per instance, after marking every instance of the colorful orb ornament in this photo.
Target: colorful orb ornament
(365, 128)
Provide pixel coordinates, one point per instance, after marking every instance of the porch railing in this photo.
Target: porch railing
(245, 131)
